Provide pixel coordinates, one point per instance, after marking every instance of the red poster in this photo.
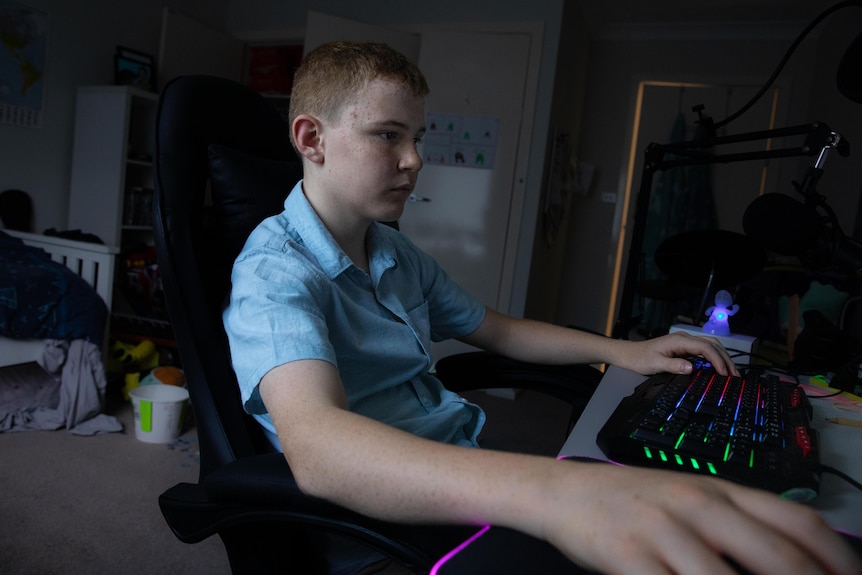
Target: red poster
(271, 68)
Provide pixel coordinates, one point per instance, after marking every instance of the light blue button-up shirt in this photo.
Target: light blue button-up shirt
(296, 295)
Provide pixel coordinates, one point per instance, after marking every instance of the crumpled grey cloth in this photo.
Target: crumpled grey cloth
(78, 364)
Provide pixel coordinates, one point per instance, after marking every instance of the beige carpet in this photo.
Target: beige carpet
(88, 505)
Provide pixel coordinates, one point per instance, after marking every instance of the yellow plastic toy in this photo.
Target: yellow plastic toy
(127, 358)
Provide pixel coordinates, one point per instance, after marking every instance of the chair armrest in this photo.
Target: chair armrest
(261, 490)
(259, 480)
(504, 551)
(470, 371)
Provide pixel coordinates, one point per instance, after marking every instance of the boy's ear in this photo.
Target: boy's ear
(306, 135)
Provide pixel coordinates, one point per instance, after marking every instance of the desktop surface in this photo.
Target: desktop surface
(504, 551)
(838, 502)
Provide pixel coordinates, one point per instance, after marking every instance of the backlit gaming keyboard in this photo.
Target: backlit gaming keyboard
(753, 430)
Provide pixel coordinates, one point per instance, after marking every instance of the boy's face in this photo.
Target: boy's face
(370, 161)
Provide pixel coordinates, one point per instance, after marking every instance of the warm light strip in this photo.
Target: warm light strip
(624, 215)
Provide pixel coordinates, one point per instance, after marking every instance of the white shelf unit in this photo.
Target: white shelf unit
(112, 175)
(112, 162)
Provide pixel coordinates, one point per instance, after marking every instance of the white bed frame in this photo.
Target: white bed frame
(93, 262)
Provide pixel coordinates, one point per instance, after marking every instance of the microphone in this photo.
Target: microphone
(849, 78)
(791, 228)
(782, 224)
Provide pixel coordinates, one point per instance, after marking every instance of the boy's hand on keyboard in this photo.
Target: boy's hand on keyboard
(635, 520)
(667, 354)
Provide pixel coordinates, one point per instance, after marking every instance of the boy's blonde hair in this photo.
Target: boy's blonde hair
(332, 74)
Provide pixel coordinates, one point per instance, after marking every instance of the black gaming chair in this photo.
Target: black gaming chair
(224, 162)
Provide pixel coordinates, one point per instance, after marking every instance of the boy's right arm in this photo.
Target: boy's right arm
(605, 517)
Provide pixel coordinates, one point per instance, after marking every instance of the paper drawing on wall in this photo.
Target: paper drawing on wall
(462, 141)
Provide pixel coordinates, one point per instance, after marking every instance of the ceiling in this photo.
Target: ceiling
(604, 14)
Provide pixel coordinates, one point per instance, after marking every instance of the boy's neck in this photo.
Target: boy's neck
(349, 234)
(355, 248)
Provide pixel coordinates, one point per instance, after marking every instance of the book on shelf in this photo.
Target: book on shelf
(138, 207)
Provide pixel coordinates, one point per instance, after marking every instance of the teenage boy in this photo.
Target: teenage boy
(330, 322)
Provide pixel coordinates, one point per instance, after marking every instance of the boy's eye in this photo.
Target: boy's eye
(392, 136)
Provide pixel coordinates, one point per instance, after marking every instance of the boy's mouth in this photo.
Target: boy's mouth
(406, 188)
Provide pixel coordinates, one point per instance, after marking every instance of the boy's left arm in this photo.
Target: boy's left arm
(540, 342)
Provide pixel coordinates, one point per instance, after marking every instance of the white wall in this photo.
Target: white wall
(692, 53)
(82, 38)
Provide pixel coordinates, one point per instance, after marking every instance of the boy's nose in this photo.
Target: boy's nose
(411, 160)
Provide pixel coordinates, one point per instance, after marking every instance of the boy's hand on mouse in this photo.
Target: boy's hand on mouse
(668, 352)
(634, 520)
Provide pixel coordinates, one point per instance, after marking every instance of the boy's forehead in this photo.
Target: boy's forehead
(385, 90)
(383, 100)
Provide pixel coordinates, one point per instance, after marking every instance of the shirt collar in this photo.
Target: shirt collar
(333, 261)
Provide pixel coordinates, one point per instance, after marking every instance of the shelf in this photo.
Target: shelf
(111, 193)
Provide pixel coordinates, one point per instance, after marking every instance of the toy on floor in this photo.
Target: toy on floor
(167, 375)
(164, 375)
(135, 357)
(132, 360)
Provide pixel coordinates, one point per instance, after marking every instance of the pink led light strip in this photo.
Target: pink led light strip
(458, 549)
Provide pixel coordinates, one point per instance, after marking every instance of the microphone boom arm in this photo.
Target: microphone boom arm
(819, 139)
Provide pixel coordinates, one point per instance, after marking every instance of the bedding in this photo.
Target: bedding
(65, 390)
(42, 299)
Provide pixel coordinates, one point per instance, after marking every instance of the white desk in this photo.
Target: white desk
(840, 446)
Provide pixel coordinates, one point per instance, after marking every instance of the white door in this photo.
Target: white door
(462, 216)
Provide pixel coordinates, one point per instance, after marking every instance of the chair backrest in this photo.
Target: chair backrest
(223, 162)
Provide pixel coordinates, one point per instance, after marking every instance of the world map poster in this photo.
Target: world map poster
(23, 45)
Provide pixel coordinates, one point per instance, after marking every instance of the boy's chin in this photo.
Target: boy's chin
(389, 220)
(392, 214)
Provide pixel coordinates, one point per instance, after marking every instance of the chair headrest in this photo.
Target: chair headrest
(246, 189)
(208, 123)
